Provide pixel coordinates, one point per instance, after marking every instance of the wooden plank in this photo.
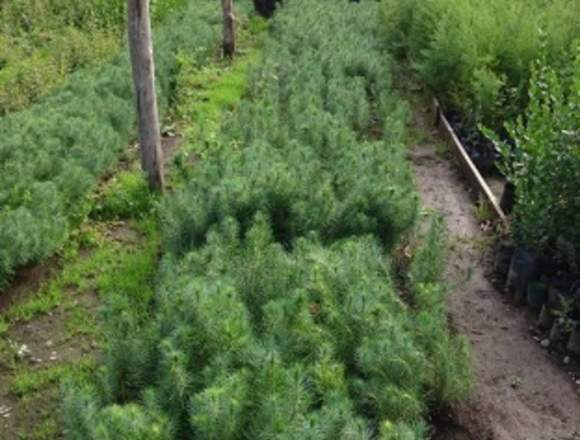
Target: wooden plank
(468, 167)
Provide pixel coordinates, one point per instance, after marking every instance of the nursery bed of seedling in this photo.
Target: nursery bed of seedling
(282, 309)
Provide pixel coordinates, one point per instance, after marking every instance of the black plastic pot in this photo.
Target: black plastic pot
(519, 298)
(537, 294)
(575, 292)
(573, 345)
(484, 158)
(523, 270)
(554, 296)
(266, 8)
(550, 268)
(503, 256)
(546, 318)
(508, 198)
(556, 332)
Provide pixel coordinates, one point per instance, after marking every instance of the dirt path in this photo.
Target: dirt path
(520, 394)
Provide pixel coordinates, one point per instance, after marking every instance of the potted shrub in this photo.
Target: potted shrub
(542, 161)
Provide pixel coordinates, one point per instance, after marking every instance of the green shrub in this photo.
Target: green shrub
(320, 335)
(53, 153)
(475, 55)
(307, 159)
(544, 161)
(276, 314)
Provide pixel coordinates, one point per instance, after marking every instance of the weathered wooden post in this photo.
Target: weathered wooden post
(229, 43)
(141, 48)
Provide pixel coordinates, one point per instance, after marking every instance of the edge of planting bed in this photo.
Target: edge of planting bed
(522, 278)
(468, 168)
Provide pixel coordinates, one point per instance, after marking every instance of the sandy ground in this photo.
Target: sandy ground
(520, 393)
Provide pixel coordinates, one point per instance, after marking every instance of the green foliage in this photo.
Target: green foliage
(43, 41)
(126, 195)
(319, 334)
(204, 94)
(114, 423)
(26, 382)
(449, 354)
(276, 315)
(53, 154)
(428, 263)
(299, 148)
(476, 54)
(544, 162)
(479, 57)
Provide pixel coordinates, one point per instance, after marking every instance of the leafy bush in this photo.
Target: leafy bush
(544, 161)
(476, 54)
(276, 315)
(53, 154)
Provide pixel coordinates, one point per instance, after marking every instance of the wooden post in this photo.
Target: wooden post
(141, 48)
(229, 44)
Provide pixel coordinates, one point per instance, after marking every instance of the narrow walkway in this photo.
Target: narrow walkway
(520, 394)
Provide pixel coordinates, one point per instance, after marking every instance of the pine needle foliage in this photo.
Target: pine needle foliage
(53, 154)
(276, 315)
(330, 348)
(300, 148)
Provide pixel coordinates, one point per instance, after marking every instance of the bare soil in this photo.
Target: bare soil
(520, 393)
(26, 280)
(50, 343)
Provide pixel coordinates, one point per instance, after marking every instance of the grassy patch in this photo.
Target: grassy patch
(47, 299)
(46, 429)
(206, 93)
(30, 381)
(125, 196)
(110, 267)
